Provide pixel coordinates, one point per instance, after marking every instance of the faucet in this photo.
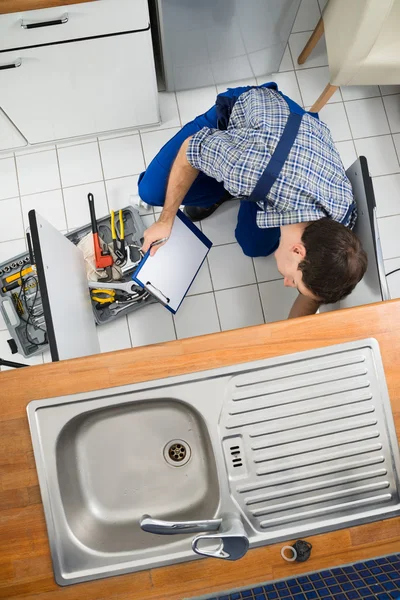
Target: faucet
(227, 533)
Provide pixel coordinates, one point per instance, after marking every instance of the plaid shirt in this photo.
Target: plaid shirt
(312, 183)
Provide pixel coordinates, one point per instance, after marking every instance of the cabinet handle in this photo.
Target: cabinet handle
(13, 65)
(34, 24)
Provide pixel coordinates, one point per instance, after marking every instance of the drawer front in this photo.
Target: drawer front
(83, 88)
(74, 21)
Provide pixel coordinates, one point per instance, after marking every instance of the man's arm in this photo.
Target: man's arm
(181, 177)
(303, 306)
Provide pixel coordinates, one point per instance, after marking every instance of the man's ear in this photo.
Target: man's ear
(300, 250)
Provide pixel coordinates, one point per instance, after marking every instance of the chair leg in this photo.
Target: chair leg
(312, 42)
(324, 97)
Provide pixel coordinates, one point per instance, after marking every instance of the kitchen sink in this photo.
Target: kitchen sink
(286, 447)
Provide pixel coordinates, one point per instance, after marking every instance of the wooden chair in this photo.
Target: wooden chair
(363, 44)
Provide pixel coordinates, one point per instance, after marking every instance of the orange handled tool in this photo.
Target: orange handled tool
(103, 257)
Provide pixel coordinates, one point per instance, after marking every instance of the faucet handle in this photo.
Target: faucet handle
(233, 541)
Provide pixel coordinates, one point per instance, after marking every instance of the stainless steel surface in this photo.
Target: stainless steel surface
(288, 447)
(207, 43)
(174, 527)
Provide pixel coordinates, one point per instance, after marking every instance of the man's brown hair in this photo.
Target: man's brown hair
(335, 260)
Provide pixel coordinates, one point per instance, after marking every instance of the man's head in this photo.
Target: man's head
(322, 259)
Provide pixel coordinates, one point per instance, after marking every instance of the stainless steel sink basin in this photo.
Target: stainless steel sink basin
(290, 447)
(114, 461)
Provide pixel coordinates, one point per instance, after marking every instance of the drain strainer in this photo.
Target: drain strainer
(177, 453)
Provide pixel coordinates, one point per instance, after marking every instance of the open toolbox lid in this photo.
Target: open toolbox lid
(61, 272)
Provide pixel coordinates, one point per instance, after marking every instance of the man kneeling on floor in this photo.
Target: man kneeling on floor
(296, 200)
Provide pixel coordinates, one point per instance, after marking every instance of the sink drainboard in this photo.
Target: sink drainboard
(315, 440)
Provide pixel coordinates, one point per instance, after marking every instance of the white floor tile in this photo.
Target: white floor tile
(389, 228)
(392, 106)
(153, 141)
(8, 179)
(230, 267)
(12, 248)
(347, 152)
(367, 117)
(192, 103)
(266, 269)
(77, 206)
(169, 112)
(286, 62)
(307, 16)
(239, 307)
(11, 224)
(393, 279)
(120, 190)
(222, 87)
(151, 325)
(380, 153)
(389, 89)
(356, 92)
(49, 205)
(220, 227)
(277, 300)
(317, 58)
(334, 115)
(5, 353)
(387, 195)
(114, 336)
(148, 219)
(202, 283)
(196, 316)
(287, 84)
(80, 164)
(110, 135)
(38, 172)
(122, 156)
(312, 82)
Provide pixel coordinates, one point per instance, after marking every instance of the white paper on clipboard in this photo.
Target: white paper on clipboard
(169, 274)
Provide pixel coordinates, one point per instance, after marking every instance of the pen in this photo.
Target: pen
(158, 242)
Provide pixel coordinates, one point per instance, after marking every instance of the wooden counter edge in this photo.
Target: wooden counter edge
(24, 553)
(13, 6)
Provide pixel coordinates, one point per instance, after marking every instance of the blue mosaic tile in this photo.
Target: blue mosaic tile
(377, 579)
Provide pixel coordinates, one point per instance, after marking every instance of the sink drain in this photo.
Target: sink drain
(177, 453)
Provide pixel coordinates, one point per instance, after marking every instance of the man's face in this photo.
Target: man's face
(288, 258)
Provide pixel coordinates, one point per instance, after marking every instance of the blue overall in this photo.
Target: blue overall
(206, 191)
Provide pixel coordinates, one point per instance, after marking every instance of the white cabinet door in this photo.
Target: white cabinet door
(80, 88)
(10, 137)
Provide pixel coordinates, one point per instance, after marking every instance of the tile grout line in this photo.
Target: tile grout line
(62, 191)
(391, 133)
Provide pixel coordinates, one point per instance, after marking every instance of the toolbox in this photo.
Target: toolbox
(54, 308)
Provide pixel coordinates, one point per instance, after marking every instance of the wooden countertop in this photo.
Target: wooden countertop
(12, 6)
(25, 566)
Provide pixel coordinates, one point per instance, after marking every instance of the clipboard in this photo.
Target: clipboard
(169, 274)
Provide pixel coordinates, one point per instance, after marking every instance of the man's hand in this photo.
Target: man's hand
(180, 179)
(158, 231)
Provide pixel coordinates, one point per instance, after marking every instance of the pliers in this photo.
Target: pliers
(118, 240)
(105, 297)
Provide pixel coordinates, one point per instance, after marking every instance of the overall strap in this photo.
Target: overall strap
(278, 158)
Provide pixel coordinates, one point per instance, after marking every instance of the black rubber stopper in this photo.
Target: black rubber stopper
(303, 550)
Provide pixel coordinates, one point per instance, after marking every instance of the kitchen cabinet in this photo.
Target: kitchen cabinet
(77, 70)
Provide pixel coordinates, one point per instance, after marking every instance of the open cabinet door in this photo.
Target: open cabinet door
(71, 329)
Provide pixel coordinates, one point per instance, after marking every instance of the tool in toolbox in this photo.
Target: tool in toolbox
(118, 240)
(15, 281)
(112, 297)
(103, 257)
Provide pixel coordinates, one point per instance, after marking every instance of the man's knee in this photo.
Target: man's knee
(151, 188)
